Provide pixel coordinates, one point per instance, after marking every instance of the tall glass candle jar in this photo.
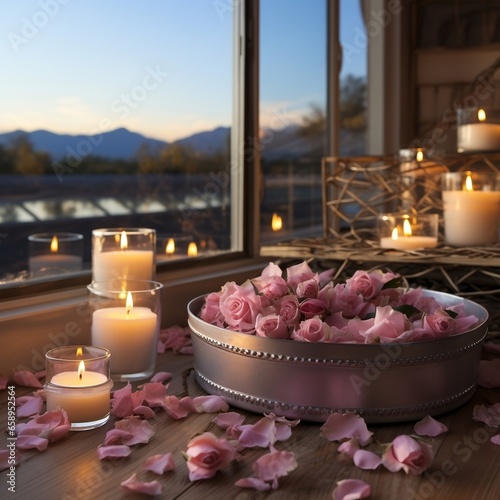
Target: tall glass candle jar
(77, 380)
(55, 253)
(126, 320)
(471, 208)
(120, 254)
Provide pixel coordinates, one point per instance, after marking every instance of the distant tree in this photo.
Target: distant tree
(25, 160)
(353, 103)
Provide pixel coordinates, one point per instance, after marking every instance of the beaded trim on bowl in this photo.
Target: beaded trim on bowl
(299, 411)
(387, 361)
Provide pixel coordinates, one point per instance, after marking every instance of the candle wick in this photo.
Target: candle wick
(80, 376)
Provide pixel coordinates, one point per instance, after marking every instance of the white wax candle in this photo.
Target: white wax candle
(55, 262)
(123, 264)
(130, 337)
(408, 242)
(85, 399)
(471, 217)
(478, 137)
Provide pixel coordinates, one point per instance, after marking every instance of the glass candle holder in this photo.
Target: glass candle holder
(126, 321)
(408, 232)
(121, 254)
(77, 380)
(478, 129)
(55, 253)
(471, 208)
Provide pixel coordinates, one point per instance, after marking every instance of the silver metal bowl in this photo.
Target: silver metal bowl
(382, 383)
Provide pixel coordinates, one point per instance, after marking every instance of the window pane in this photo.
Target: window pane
(119, 114)
(292, 116)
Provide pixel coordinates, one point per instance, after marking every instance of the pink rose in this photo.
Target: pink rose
(272, 287)
(299, 273)
(288, 309)
(271, 326)
(308, 289)
(440, 324)
(210, 312)
(240, 306)
(340, 299)
(368, 285)
(206, 454)
(312, 307)
(387, 325)
(406, 453)
(312, 330)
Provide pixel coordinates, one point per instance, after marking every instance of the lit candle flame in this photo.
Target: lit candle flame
(129, 303)
(406, 227)
(54, 244)
(277, 222)
(481, 115)
(468, 183)
(81, 369)
(123, 241)
(395, 234)
(419, 156)
(170, 247)
(192, 249)
(79, 351)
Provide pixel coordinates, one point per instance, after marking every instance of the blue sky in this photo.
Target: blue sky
(159, 67)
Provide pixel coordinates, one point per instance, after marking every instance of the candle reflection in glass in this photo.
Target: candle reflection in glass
(276, 222)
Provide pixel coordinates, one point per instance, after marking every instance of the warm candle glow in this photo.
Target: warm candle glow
(420, 155)
(123, 241)
(481, 115)
(54, 244)
(277, 222)
(192, 249)
(468, 183)
(406, 227)
(79, 351)
(395, 234)
(81, 369)
(129, 303)
(170, 247)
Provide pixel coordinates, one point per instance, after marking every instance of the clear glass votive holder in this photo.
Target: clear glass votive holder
(55, 253)
(121, 254)
(471, 208)
(126, 320)
(408, 232)
(77, 380)
(478, 129)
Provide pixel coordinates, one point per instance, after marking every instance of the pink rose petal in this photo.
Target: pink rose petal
(161, 377)
(113, 451)
(151, 488)
(488, 414)
(430, 427)
(153, 393)
(351, 489)
(349, 447)
(367, 460)
(52, 426)
(122, 404)
(230, 419)
(26, 379)
(204, 404)
(144, 411)
(28, 441)
(3, 382)
(31, 405)
(159, 464)
(253, 482)
(273, 465)
(496, 439)
(115, 436)
(341, 426)
(141, 430)
(172, 406)
(262, 434)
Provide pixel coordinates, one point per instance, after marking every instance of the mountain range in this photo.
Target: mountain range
(121, 143)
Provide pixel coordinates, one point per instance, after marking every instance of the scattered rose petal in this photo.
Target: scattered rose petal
(488, 414)
(144, 411)
(52, 426)
(204, 404)
(428, 426)
(175, 337)
(29, 406)
(229, 419)
(113, 451)
(159, 464)
(29, 441)
(161, 377)
(261, 434)
(489, 373)
(367, 460)
(26, 379)
(340, 426)
(122, 404)
(253, 482)
(3, 382)
(116, 435)
(153, 393)
(496, 439)
(151, 488)
(141, 430)
(171, 405)
(349, 447)
(351, 489)
(273, 465)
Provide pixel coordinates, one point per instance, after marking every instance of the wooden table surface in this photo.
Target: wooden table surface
(466, 465)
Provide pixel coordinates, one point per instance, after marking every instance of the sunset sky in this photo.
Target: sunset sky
(159, 67)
